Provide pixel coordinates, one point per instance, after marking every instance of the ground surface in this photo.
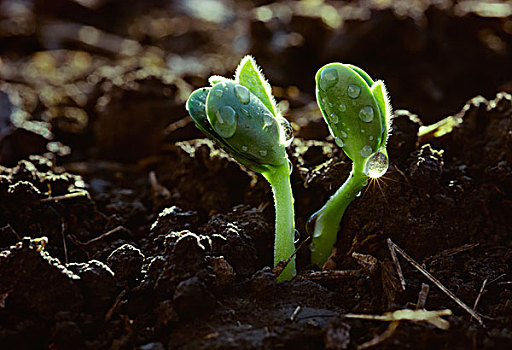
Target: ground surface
(120, 228)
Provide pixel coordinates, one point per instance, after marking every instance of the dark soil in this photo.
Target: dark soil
(121, 228)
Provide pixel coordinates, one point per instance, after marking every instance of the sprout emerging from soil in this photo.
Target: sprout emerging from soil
(357, 112)
(241, 116)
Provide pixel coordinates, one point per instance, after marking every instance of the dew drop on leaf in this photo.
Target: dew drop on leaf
(263, 152)
(339, 141)
(343, 134)
(245, 112)
(353, 91)
(242, 94)
(334, 118)
(366, 114)
(244, 148)
(366, 151)
(225, 123)
(328, 78)
(297, 237)
(286, 131)
(268, 121)
(342, 106)
(377, 165)
(219, 93)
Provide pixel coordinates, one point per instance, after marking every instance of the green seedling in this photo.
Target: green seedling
(241, 117)
(357, 112)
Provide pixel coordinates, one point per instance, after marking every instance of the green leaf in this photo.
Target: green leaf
(350, 110)
(361, 73)
(249, 75)
(196, 106)
(245, 124)
(381, 95)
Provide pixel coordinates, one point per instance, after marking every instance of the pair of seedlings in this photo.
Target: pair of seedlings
(241, 116)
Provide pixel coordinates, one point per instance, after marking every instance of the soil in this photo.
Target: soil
(122, 228)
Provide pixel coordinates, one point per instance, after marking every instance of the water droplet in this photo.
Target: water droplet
(366, 114)
(310, 225)
(377, 165)
(370, 138)
(219, 93)
(286, 132)
(334, 118)
(297, 237)
(339, 141)
(268, 121)
(343, 134)
(348, 129)
(225, 122)
(263, 152)
(328, 78)
(242, 94)
(353, 91)
(366, 151)
(244, 148)
(245, 112)
(362, 131)
(342, 106)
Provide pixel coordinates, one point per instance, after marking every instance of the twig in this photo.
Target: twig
(397, 263)
(295, 313)
(115, 306)
(422, 296)
(450, 252)
(282, 264)
(332, 274)
(95, 239)
(497, 278)
(63, 228)
(480, 294)
(437, 283)
(381, 337)
(66, 196)
(9, 227)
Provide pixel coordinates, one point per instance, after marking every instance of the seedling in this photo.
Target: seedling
(241, 116)
(357, 112)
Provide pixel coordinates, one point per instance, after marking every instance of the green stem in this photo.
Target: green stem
(328, 219)
(284, 247)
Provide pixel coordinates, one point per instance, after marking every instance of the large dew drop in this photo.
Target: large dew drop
(268, 121)
(377, 165)
(218, 93)
(366, 114)
(225, 122)
(353, 91)
(328, 78)
(286, 132)
(366, 151)
(334, 118)
(242, 94)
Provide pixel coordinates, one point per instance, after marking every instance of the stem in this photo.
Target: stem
(328, 219)
(279, 179)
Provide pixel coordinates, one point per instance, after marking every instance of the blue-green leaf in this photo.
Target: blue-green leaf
(249, 75)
